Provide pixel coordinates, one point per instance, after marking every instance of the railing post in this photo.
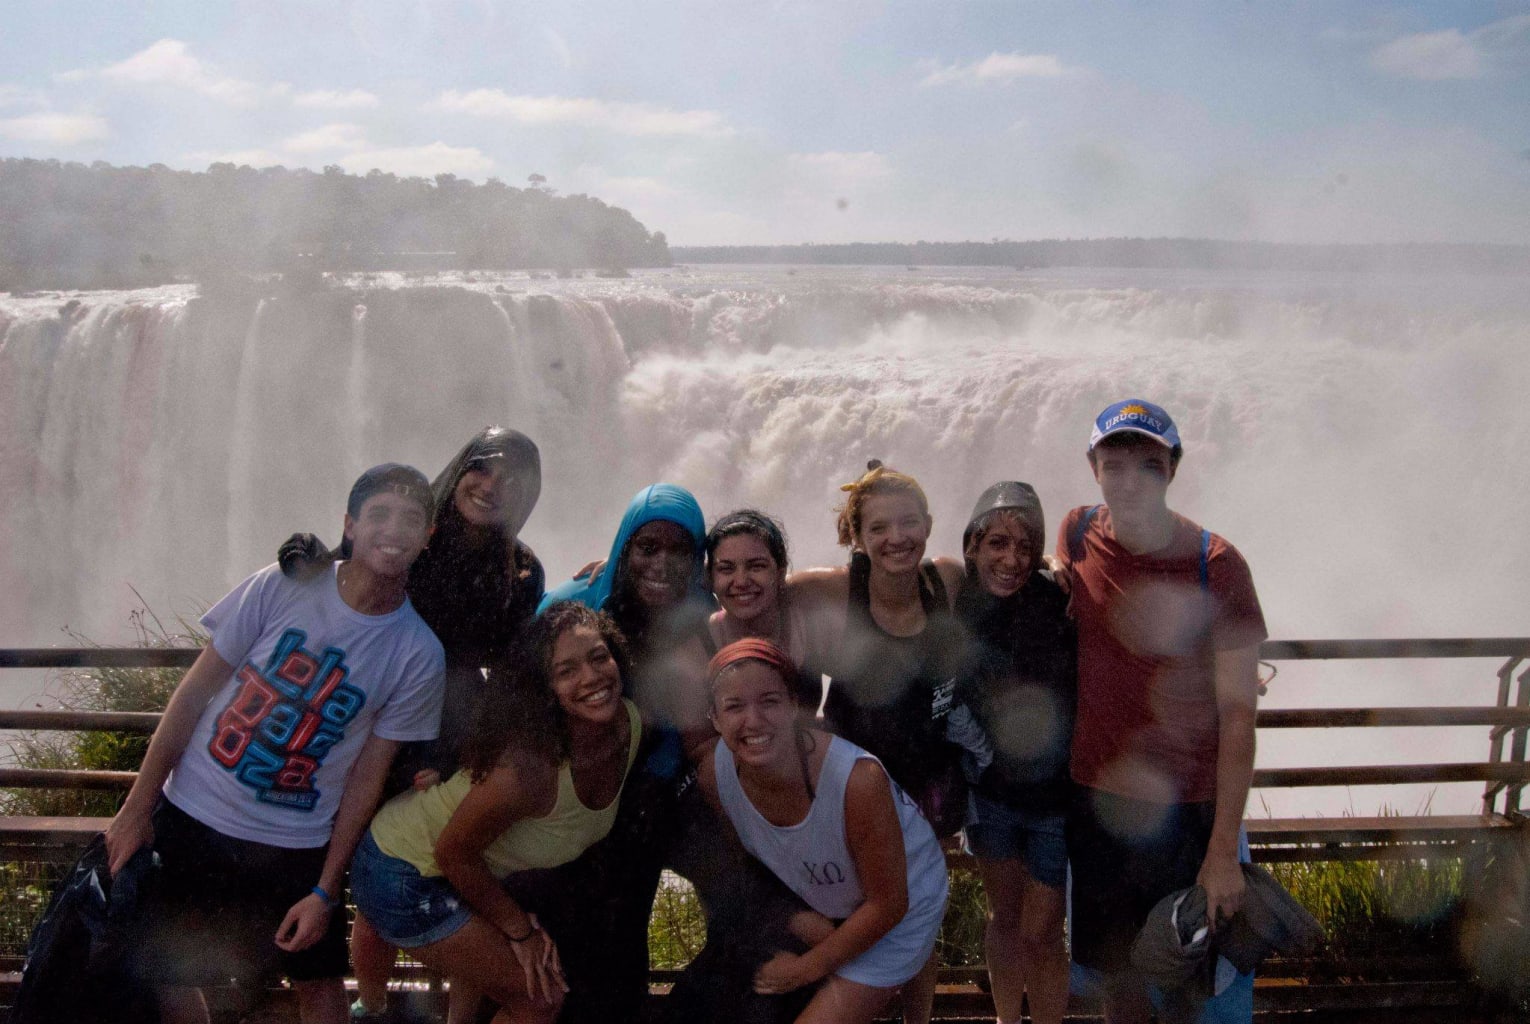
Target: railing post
(1511, 795)
(1495, 737)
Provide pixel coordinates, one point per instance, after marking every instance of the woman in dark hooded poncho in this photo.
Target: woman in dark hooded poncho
(476, 586)
(1015, 703)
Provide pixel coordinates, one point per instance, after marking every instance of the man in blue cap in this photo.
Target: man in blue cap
(271, 756)
(1169, 627)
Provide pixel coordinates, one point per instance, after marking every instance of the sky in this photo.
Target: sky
(722, 122)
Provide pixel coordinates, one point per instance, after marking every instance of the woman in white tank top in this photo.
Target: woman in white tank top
(823, 815)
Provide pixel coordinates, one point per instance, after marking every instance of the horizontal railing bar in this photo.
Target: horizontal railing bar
(1455, 647)
(1309, 718)
(1343, 775)
(98, 657)
(1271, 650)
(81, 721)
(65, 778)
(1391, 774)
(1269, 718)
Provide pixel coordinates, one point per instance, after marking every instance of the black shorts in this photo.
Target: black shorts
(1126, 855)
(218, 901)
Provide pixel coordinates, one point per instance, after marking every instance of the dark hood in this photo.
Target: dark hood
(523, 462)
(1018, 497)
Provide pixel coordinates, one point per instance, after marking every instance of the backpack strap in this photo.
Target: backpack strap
(1076, 538)
(1205, 561)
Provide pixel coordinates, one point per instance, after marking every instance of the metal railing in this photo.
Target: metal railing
(1508, 719)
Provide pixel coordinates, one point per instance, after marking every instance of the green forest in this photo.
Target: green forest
(1160, 253)
(69, 225)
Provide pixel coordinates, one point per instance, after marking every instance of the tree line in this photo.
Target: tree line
(1164, 253)
(68, 225)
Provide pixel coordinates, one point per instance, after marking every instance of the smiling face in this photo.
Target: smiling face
(746, 578)
(387, 534)
(659, 560)
(585, 676)
(483, 495)
(752, 711)
(1002, 556)
(894, 528)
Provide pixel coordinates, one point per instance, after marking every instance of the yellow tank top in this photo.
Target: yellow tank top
(408, 825)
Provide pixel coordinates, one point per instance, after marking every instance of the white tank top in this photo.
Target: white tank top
(812, 857)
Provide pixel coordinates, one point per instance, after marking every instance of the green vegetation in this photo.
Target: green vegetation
(1171, 253)
(98, 689)
(72, 226)
(1379, 907)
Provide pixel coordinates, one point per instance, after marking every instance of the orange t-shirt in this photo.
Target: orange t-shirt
(1148, 630)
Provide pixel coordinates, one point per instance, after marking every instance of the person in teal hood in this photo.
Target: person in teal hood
(653, 585)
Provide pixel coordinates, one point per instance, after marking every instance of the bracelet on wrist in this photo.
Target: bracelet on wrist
(318, 890)
(531, 929)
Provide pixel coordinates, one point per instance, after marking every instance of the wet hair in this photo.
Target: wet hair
(517, 709)
(1132, 439)
(877, 480)
(748, 522)
(980, 526)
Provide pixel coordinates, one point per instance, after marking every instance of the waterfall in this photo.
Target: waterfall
(1360, 439)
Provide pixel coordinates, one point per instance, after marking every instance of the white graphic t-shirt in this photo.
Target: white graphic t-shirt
(313, 679)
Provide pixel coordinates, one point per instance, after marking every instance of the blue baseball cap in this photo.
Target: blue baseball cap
(1138, 417)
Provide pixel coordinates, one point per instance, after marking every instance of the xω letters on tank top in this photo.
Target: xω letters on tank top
(284, 719)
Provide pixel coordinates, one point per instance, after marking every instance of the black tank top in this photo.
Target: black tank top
(891, 694)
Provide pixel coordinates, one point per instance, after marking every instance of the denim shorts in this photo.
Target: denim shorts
(403, 906)
(1002, 832)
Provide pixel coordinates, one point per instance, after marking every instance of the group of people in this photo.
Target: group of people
(503, 773)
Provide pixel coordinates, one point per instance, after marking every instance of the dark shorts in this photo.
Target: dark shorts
(1003, 832)
(404, 907)
(1127, 855)
(218, 901)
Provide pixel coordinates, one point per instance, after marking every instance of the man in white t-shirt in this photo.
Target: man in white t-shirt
(271, 757)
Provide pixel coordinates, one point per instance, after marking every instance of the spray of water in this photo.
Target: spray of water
(1357, 439)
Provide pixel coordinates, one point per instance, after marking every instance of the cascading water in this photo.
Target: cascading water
(1358, 438)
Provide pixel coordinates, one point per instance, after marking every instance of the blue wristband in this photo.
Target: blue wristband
(318, 891)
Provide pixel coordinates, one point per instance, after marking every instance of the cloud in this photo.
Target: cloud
(624, 190)
(559, 47)
(238, 157)
(842, 168)
(1000, 67)
(16, 96)
(419, 161)
(329, 137)
(623, 118)
(1430, 56)
(330, 99)
(1451, 54)
(169, 62)
(59, 129)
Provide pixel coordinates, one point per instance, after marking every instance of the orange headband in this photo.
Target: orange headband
(750, 649)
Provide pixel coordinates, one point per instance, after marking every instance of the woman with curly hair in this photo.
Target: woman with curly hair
(543, 766)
